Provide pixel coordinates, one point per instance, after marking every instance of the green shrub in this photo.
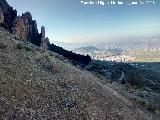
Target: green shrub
(54, 68)
(20, 46)
(2, 46)
(28, 48)
(135, 79)
(152, 107)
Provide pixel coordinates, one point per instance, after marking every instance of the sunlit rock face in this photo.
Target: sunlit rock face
(24, 28)
(21, 28)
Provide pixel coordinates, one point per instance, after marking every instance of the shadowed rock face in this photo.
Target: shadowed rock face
(1, 16)
(21, 28)
(44, 41)
(8, 14)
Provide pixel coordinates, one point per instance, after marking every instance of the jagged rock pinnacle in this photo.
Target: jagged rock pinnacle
(44, 41)
(8, 14)
(42, 32)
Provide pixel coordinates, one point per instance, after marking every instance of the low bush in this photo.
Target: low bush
(152, 107)
(135, 79)
(2, 46)
(21, 46)
(28, 48)
(54, 68)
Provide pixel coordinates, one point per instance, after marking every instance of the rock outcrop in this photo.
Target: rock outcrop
(8, 15)
(24, 28)
(44, 41)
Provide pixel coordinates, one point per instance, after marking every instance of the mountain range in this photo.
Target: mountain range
(124, 44)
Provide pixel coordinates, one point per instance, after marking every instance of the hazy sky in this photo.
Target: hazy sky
(71, 21)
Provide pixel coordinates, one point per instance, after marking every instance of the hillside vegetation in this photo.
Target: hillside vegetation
(38, 84)
(138, 81)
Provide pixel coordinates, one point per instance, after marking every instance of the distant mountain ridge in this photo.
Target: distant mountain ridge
(87, 49)
(124, 44)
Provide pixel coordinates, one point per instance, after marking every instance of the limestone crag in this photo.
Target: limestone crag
(8, 14)
(44, 41)
(42, 32)
(23, 27)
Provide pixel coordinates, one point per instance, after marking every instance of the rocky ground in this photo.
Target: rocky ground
(39, 85)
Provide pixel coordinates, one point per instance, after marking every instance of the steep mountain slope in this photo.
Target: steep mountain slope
(38, 84)
(25, 29)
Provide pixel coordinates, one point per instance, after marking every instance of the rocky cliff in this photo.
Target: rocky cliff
(44, 41)
(7, 14)
(23, 27)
